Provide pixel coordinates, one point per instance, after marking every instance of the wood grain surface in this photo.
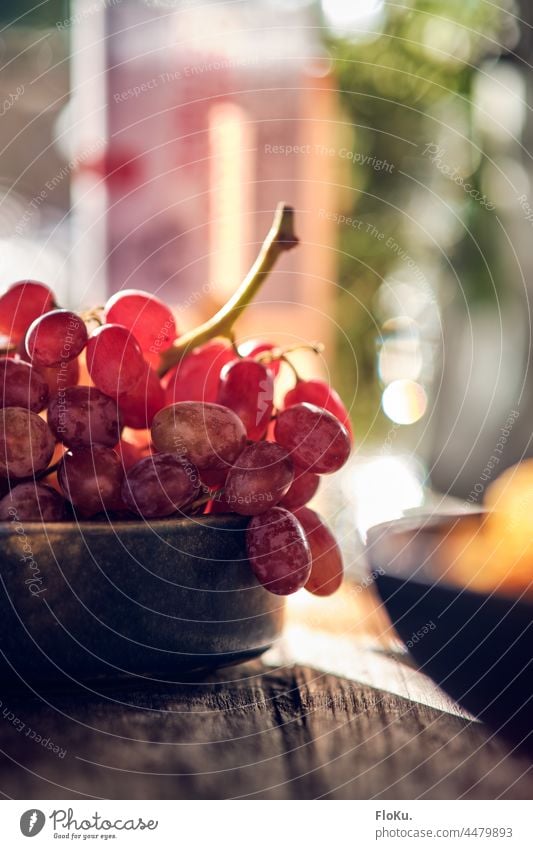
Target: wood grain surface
(275, 728)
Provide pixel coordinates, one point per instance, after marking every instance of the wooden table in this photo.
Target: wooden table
(335, 711)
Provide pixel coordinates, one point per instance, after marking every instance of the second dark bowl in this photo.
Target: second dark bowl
(476, 646)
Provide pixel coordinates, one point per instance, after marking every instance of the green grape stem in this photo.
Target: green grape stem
(280, 238)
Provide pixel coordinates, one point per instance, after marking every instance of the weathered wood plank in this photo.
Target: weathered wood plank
(251, 732)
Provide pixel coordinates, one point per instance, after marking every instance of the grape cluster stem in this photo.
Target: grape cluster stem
(280, 238)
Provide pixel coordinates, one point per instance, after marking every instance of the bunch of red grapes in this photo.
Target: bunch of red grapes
(69, 385)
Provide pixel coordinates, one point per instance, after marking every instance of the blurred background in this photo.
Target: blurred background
(145, 143)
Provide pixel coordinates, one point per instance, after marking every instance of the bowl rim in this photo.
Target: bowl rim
(432, 522)
(227, 522)
(425, 520)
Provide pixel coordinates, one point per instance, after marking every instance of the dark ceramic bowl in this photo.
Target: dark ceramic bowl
(89, 600)
(478, 647)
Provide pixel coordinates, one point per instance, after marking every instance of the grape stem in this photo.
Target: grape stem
(267, 357)
(280, 238)
(285, 359)
(202, 500)
(96, 315)
(37, 476)
(280, 354)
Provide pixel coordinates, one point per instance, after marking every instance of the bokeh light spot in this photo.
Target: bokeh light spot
(404, 401)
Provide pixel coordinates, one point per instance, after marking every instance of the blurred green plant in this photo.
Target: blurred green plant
(399, 88)
(33, 13)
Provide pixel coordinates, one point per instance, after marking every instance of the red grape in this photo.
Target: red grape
(149, 319)
(22, 386)
(262, 474)
(55, 337)
(302, 489)
(26, 443)
(114, 359)
(57, 377)
(138, 407)
(91, 478)
(82, 415)
(327, 567)
(196, 377)
(252, 347)
(21, 304)
(319, 393)
(33, 502)
(278, 551)
(61, 376)
(316, 439)
(208, 435)
(247, 388)
(160, 485)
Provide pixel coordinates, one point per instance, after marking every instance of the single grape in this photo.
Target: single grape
(149, 319)
(160, 485)
(319, 393)
(26, 443)
(22, 386)
(21, 304)
(278, 551)
(197, 375)
(60, 377)
(247, 388)
(302, 489)
(91, 478)
(253, 347)
(315, 438)
(261, 476)
(327, 567)
(208, 435)
(82, 415)
(55, 337)
(114, 359)
(138, 407)
(33, 502)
